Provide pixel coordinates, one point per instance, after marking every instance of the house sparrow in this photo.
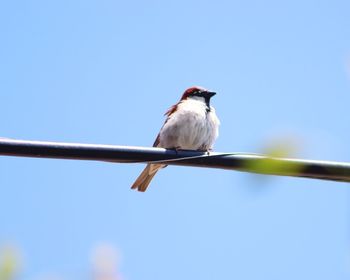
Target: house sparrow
(191, 124)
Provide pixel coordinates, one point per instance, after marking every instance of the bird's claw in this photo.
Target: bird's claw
(176, 149)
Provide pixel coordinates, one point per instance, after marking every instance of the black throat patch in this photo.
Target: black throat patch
(207, 102)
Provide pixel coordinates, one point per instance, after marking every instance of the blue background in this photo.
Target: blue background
(105, 72)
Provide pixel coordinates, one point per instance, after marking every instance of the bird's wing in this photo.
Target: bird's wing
(168, 113)
(156, 142)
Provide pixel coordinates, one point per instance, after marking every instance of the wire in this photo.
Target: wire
(247, 162)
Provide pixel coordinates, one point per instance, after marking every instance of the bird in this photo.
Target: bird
(191, 124)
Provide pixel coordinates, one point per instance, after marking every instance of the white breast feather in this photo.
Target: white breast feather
(190, 127)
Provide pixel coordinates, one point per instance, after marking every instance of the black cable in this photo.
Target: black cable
(256, 163)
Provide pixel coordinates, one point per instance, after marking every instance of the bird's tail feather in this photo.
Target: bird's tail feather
(146, 177)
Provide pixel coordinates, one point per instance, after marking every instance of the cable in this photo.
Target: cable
(247, 162)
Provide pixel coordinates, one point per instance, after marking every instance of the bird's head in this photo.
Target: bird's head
(198, 93)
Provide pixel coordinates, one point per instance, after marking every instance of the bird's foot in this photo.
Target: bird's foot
(207, 151)
(176, 149)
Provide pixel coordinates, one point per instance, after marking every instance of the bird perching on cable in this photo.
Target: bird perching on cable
(191, 124)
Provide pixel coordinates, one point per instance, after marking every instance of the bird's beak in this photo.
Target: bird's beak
(208, 94)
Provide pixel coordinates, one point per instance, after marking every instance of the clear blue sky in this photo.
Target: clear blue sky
(106, 71)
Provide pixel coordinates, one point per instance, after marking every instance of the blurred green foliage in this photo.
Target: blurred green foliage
(8, 263)
(285, 148)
